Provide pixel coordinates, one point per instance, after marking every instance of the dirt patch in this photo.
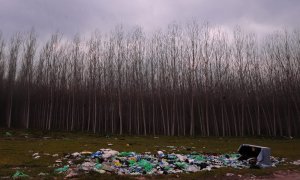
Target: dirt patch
(279, 175)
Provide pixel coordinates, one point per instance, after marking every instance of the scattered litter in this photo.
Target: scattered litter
(108, 153)
(101, 171)
(8, 134)
(229, 174)
(58, 161)
(19, 174)
(109, 144)
(71, 174)
(296, 162)
(75, 154)
(160, 154)
(6, 177)
(36, 157)
(98, 166)
(87, 166)
(43, 174)
(107, 167)
(181, 157)
(146, 165)
(132, 163)
(192, 168)
(94, 155)
(55, 155)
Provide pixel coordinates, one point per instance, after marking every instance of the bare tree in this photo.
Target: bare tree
(26, 74)
(15, 44)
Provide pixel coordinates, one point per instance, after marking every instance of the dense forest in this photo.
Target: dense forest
(193, 79)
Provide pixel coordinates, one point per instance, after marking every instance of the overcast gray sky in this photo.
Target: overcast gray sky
(84, 16)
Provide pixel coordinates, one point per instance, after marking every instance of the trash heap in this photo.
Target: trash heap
(132, 163)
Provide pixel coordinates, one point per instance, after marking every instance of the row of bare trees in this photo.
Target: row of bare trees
(184, 80)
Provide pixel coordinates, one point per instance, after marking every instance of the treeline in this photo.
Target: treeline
(183, 80)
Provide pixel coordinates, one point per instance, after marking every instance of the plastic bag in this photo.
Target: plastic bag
(19, 174)
(146, 165)
(61, 170)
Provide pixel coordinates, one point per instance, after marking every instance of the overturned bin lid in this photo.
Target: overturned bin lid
(260, 153)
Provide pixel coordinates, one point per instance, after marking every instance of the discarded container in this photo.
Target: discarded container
(260, 153)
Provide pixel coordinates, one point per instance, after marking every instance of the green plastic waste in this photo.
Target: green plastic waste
(63, 169)
(146, 165)
(131, 162)
(199, 158)
(234, 155)
(167, 168)
(194, 153)
(125, 154)
(181, 165)
(98, 166)
(19, 174)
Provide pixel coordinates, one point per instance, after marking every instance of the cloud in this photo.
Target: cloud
(84, 16)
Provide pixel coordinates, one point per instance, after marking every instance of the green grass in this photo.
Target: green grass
(16, 150)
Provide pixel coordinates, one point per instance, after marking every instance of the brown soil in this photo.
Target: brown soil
(278, 175)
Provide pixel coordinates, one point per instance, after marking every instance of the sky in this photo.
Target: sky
(85, 16)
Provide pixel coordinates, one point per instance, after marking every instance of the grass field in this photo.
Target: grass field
(16, 151)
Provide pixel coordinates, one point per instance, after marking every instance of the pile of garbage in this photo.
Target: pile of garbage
(132, 163)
